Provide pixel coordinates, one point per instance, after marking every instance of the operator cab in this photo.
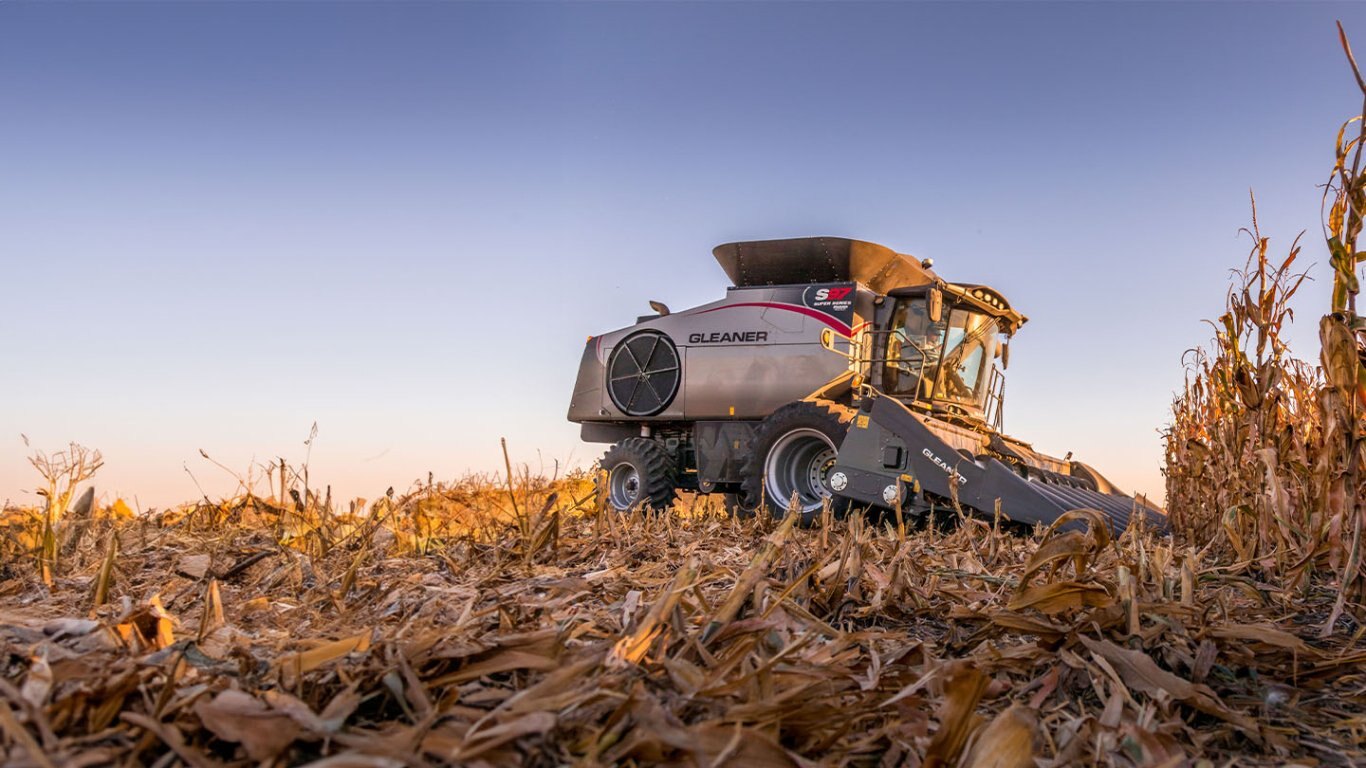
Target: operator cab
(937, 347)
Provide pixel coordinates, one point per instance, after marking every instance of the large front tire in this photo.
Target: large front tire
(639, 473)
(792, 453)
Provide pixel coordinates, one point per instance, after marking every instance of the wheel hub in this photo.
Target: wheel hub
(623, 486)
(800, 463)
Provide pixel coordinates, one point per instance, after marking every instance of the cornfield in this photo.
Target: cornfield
(1266, 454)
(519, 620)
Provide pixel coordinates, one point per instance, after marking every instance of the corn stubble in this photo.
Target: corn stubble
(517, 620)
(251, 632)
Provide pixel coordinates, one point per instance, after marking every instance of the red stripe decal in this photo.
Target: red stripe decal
(835, 323)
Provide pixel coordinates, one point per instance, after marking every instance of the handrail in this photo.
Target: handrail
(996, 399)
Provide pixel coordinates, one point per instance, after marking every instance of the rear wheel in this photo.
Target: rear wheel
(639, 473)
(792, 454)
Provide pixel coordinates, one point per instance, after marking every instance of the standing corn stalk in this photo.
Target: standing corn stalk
(1265, 455)
(1244, 427)
(1341, 333)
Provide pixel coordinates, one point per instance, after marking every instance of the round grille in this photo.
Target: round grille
(643, 374)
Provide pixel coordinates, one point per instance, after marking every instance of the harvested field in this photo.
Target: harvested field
(243, 634)
(519, 620)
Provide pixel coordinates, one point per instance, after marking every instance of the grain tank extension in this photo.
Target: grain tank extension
(832, 369)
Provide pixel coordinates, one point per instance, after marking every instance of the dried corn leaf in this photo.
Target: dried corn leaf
(296, 664)
(962, 690)
(38, 681)
(480, 742)
(243, 719)
(1261, 633)
(1140, 672)
(1061, 596)
(633, 647)
(1008, 741)
(193, 566)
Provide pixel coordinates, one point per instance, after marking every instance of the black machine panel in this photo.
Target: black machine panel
(722, 448)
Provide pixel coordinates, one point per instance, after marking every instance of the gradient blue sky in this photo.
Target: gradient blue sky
(220, 223)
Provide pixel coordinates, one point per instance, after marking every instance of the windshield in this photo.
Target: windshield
(969, 348)
(965, 342)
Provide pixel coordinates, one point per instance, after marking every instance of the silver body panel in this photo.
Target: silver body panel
(742, 357)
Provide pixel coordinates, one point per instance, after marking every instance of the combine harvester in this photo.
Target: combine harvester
(833, 369)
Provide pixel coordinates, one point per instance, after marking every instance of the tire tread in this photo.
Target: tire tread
(658, 476)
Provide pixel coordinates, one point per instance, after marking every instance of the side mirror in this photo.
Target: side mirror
(936, 305)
